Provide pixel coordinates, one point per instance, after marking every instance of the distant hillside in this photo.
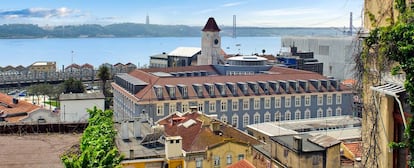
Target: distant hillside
(143, 30)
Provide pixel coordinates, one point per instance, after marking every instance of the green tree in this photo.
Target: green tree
(97, 146)
(104, 75)
(73, 86)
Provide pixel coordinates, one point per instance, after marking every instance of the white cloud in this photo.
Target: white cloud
(232, 4)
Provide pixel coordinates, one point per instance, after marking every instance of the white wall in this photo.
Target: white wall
(76, 110)
(339, 58)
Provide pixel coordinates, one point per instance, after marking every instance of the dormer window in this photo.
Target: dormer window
(221, 89)
(171, 91)
(198, 90)
(158, 91)
(210, 89)
(232, 88)
(243, 87)
(183, 90)
(255, 87)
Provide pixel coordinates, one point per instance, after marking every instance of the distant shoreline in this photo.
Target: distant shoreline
(133, 30)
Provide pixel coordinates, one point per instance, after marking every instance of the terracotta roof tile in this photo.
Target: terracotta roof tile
(276, 74)
(199, 136)
(355, 148)
(242, 164)
(21, 106)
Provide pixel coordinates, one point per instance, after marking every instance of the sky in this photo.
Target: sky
(257, 13)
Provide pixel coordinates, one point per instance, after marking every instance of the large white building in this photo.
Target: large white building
(336, 53)
(74, 106)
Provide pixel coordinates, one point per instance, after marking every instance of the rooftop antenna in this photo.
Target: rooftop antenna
(234, 26)
(350, 24)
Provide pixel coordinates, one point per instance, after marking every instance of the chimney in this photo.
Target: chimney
(124, 131)
(215, 126)
(131, 154)
(15, 101)
(297, 140)
(173, 146)
(137, 128)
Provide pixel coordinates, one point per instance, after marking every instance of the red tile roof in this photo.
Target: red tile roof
(355, 148)
(21, 106)
(211, 25)
(89, 66)
(199, 136)
(276, 73)
(242, 164)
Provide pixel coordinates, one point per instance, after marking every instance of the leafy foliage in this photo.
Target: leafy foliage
(396, 43)
(97, 147)
(73, 86)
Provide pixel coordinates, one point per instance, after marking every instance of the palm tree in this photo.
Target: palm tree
(104, 74)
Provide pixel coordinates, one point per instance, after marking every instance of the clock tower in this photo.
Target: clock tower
(210, 44)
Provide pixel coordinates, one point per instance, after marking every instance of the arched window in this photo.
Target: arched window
(245, 120)
(235, 121)
(287, 115)
(267, 117)
(329, 112)
(278, 116)
(338, 111)
(298, 115)
(307, 114)
(256, 118)
(223, 118)
(319, 113)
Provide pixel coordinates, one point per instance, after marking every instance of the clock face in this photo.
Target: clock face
(216, 41)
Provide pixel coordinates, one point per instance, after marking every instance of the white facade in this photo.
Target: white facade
(336, 53)
(74, 106)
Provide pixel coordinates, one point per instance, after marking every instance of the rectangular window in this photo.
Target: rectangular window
(200, 107)
(297, 101)
(184, 107)
(235, 105)
(338, 99)
(320, 100)
(199, 163)
(185, 92)
(267, 103)
(212, 106)
(277, 102)
(172, 108)
(287, 102)
(285, 153)
(224, 105)
(256, 104)
(160, 110)
(216, 160)
(245, 104)
(324, 50)
(241, 156)
(307, 100)
(229, 159)
(329, 99)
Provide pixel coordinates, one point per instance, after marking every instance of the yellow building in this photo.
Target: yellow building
(43, 66)
(208, 142)
(300, 150)
(383, 118)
